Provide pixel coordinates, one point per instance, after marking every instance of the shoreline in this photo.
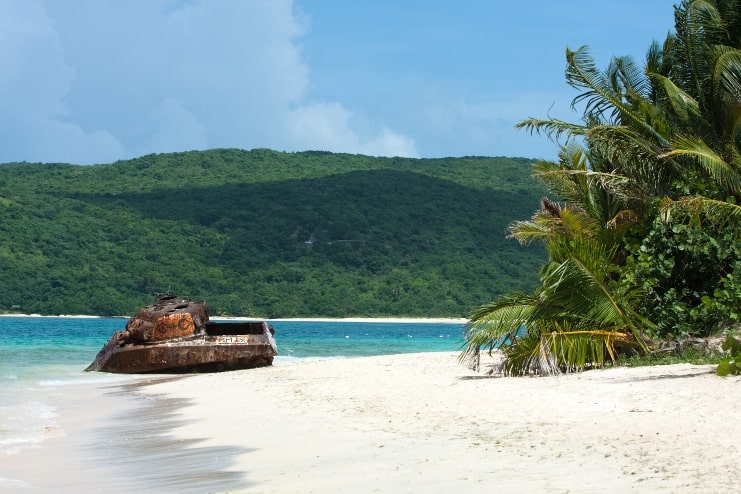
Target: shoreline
(395, 320)
(415, 422)
(113, 439)
(383, 320)
(65, 316)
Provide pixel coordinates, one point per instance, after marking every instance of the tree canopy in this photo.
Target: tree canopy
(265, 234)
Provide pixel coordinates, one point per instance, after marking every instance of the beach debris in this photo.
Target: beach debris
(175, 335)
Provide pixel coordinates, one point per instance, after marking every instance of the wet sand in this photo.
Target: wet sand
(115, 439)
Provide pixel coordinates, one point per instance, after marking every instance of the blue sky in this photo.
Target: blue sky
(97, 81)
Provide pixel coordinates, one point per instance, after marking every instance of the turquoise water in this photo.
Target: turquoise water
(302, 339)
(39, 356)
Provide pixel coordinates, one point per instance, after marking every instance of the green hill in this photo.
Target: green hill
(265, 233)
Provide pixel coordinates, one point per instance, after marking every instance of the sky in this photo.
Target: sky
(96, 81)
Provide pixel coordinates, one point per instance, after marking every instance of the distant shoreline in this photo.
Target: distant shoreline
(67, 316)
(385, 320)
(394, 320)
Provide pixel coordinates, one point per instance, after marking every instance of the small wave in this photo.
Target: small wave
(27, 410)
(19, 441)
(26, 425)
(291, 360)
(11, 445)
(14, 483)
(10, 441)
(92, 379)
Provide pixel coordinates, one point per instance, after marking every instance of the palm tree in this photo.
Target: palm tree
(576, 319)
(579, 315)
(703, 87)
(660, 142)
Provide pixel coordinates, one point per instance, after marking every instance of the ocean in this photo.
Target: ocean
(43, 357)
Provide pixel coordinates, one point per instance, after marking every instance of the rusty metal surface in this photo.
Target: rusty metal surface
(172, 326)
(209, 357)
(174, 335)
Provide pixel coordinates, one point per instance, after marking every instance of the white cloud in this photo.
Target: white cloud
(389, 143)
(67, 143)
(329, 124)
(91, 82)
(468, 125)
(33, 82)
(177, 129)
(34, 74)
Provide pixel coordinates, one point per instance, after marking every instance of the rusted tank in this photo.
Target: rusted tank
(174, 335)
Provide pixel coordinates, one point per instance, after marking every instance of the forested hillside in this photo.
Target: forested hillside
(266, 234)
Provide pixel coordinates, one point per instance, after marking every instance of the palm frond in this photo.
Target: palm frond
(698, 25)
(656, 62)
(580, 284)
(565, 350)
(566, 178)
(600, 95)
(528, 357)
(494, 324)
(682, 104)
(632, 76)
(552, 128)
(695, 209)
(623, 220)
(727, 74)
(712, 163)
(606, 181)
(634, 156)
(539, 229)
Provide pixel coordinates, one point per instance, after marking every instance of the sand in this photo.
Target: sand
(416, 423)
(424, 423)
(113, 439)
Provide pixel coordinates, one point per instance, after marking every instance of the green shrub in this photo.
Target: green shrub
(731, 365)
(691, 276)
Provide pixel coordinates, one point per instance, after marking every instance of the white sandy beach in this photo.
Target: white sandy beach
(423, 423)
(414, 423)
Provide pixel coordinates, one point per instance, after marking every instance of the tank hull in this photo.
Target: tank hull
(175, 336)
(204, 354)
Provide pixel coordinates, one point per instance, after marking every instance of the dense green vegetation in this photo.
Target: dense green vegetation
(646, 244)
(265, 233)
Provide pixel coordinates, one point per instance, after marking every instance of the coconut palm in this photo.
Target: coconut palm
(661, 141)
(703, 86)
(576, 319)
